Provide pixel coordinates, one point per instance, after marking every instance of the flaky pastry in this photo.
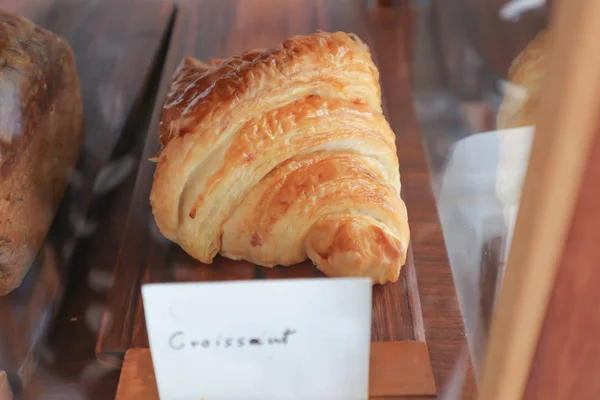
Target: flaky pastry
(277, 155)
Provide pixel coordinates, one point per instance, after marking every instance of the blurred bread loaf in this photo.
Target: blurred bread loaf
(282, 155)
(525, 81)
(516, 120)
(41, 135)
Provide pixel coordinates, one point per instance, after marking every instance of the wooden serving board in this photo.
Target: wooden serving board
(395, 369)
(115, 44)
(423, 309)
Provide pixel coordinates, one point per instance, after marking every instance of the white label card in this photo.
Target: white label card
(299, 339)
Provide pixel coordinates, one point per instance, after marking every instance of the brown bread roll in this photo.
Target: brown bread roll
(41, 135)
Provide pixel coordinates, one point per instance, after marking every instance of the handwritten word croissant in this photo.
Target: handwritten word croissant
(281, 155)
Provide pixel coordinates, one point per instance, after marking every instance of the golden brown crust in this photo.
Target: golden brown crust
(229, 127)
(41, 134)
(334, 207)
(191, 103)
(524, 90)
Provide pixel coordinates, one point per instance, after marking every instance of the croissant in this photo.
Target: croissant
(275, 156)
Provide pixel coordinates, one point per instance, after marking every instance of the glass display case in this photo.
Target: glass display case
(110, 183)
(476, 64)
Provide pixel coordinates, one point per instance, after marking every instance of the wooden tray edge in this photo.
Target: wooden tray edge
(397, 369)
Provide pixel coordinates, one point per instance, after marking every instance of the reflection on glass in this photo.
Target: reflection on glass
(479, 71)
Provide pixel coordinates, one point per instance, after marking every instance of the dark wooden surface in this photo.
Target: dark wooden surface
(396, 370)
(115, 45)
(125, 232)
